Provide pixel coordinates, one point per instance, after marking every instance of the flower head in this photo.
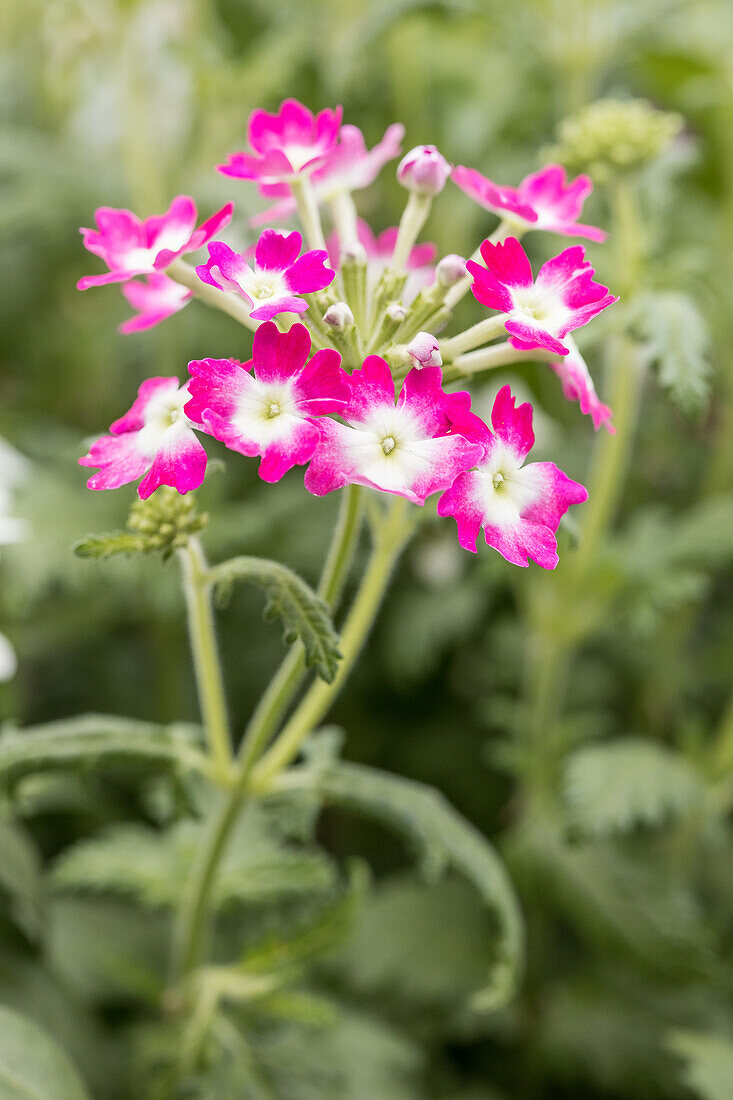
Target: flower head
(577, 385)
(379, 251)
(154, 438)
(285, 144)
(424, 349)
(349, 167)
(518, 507)
(543, 200)
(407, 448)
(424, 170)
(539, 312)
(132, 247)
(271, 405)
(156, 298)
(274, 282)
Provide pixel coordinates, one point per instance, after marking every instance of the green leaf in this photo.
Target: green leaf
(613, 787)
(709, 1063)
(98, 547)
(20, 876)
(677, 340)
(444, 840)
(304, 614)
(32, 1067)
(92, 738)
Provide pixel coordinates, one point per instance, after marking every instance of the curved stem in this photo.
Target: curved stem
(413, 219)
(236, 307)
(209, 680)
(289, 676)
(317, 702)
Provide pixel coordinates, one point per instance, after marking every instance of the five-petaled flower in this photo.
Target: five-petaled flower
(540, 312)
(349, 167)
(518, 507)
(407, 448)
(156, 298)
(274, 282)
(270, 406)
(154, 438)
(543, 200)
(285, 144)
(577, 385)
(131, 247)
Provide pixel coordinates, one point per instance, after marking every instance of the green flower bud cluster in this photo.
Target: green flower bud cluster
(161, 524)
(612, 136)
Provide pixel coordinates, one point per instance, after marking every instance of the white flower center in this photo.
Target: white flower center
(388, 444)
(261, 286)
(273, 410)
(164, 412)
(506, 489)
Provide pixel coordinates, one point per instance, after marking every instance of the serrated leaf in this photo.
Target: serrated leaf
(303, 613)
(92, 738)
(709, 1063)
(444, 839)
(677, 340)
(32, 1066)
(613, 787)
(20, 876)
(99, 547)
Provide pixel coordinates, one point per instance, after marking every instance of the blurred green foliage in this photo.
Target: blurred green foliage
(583, 722)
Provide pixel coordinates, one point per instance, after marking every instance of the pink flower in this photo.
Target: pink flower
(425, 350)
(349, 167)
(544, 200)
(379, 251)
(577, 385)
(279, 275)
(407, 449)
(541, 312)
(155, 299)
(286, 144)
(153, 438)
(518, 507)
(424, 170)
(269, 406)
(132, 247)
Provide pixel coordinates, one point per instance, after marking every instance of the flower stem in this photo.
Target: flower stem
(471, 338)
(206, 658)
(307, 204)
(343, 214)
(413, 219)
(498, 355)
(389, 541)
(289, 676)
(183, 273)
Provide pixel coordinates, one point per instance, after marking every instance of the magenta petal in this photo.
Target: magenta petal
(511, 423)
(182, 466)
(150, 389)
(288, 303)
(526, 540)
(277, 251)
(279, 355)
(309, 273)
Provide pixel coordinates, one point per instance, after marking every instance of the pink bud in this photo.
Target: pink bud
(425, 350)
(396, 312)
(339, 316)
(450, 270)
(424, 170)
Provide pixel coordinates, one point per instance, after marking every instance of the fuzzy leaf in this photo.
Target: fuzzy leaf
(615, 786)
(709, 1063)
(32, 1066)
(445, 840)
(99, 547)
(20, 876)
(304, 614)
(677, 340)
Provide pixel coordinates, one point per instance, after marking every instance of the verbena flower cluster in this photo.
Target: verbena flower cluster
(358, 394)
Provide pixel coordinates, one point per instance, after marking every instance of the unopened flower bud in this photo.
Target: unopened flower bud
(423, 170)
(396, 312)
(339, 316)
(450, 270)
(353, 253)
(425, 350)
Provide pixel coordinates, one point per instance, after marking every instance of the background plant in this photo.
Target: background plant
(614, 821)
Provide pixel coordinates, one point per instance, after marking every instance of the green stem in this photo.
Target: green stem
(307, 204)
(206, 658)
(498, 355)
(413, 219)
(289, 676)
(471, 337)
(318, 700)
(229, 303)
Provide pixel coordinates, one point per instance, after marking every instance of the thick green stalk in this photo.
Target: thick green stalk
(307, 204)
(229, 303)
(413, 219)
(206, 658)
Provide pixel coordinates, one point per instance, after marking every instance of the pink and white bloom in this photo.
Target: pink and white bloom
(407, 448)
(424, 170)
(543, 200)
(274, 282)
(131, 247)
(285, 144)
(270, 406)
(154, 438)
(518, 507)
(349, 167)
(379, 251)
(424, 349)
(539, 312)
(577, 385)
(154, 299)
